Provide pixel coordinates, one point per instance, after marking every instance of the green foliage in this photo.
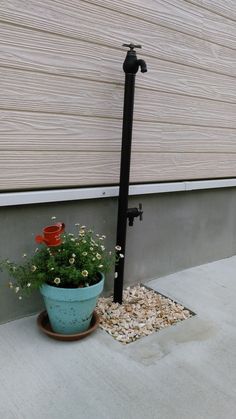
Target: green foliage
(75, 263)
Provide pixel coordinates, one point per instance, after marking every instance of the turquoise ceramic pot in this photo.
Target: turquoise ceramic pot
(70, 309)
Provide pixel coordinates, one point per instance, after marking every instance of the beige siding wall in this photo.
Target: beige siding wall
(61, 91)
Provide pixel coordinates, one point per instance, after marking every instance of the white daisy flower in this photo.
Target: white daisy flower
(57, 281)
(71, 261)
(84, 273)
(118, 247)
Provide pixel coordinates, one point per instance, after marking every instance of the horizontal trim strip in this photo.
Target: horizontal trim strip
(60, 195)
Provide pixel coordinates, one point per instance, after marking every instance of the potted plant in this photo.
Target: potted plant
(68, 269)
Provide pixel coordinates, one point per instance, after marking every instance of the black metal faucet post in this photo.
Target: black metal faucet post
(130, 67)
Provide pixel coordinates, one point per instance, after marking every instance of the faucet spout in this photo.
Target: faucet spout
(143, 66)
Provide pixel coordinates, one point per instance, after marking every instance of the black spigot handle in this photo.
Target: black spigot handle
(132, 46)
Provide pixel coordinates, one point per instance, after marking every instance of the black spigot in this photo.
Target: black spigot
(131, 63)
(132, 213)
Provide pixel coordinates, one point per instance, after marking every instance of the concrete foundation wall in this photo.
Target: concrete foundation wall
(179, 230)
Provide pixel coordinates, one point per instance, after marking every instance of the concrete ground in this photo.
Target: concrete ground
(187, 371)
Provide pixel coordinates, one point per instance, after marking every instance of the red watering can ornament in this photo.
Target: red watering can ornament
(51, 235)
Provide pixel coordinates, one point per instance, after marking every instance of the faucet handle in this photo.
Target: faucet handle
(131, 46)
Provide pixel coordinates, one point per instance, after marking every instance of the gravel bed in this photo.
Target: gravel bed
(143, 312)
